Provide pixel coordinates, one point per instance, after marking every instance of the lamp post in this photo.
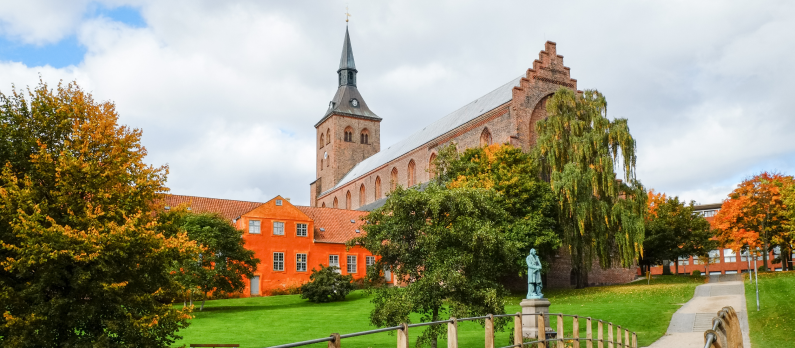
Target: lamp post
(756, 275)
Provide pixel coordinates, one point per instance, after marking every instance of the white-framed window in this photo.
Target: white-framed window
(369, 260)
(278, 202)
(300, 262)
(253, 226)
(729, 256)
(278, 228)
(776, 252)
(695, 260)
(300, 230)
(278, 261)
(683, 261)
(745, 256)
(333, 260)
(351, 263)
(731, 272)
(714, 256)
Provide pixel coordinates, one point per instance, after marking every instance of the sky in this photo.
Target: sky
(227, 92)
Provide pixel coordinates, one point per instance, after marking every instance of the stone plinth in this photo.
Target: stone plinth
(529, 322)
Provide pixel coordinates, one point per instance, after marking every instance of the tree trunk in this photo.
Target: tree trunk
(191, 298)
(765, 255)
(203, 298)
(677, 266)
(435, 318)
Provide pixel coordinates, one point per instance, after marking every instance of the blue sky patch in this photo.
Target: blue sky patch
(60, 54)
(67, 51)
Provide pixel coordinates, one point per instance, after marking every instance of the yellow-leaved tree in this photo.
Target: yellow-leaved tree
(81, 260)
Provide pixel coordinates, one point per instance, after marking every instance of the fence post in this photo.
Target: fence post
(560, 331)
(618, 333)
(634, 340)
(600, 335)
(452, 333)
(575, 329)
(490, 331)
(626, 337)
(588, 333)
(610, 335)
(403, 336)
(542, 331)
(336, 342)
(517, 329)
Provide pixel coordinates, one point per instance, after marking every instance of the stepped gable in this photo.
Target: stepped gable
(229, 209)
(548, 68)
(336, 223)
(457, 118)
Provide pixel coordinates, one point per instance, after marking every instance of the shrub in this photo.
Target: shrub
(290, 290)
(327, 285)
(697, 273)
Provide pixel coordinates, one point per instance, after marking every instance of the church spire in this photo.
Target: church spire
(347, 71)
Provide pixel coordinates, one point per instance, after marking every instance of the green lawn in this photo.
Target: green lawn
(267, 321)
(774, 324)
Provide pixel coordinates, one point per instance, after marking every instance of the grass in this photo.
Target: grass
(774, 324)
(266, 321)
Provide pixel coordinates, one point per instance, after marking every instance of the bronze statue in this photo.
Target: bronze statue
(533, 276)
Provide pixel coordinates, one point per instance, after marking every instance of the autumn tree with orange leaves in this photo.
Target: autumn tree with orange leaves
(755, 216)
(81, 260)
(673, 230)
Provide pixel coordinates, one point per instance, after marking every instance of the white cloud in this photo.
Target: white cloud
(227, 92)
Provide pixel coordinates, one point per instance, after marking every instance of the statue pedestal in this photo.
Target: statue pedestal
(530, 322)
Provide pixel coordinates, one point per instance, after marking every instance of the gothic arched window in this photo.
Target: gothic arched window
(348, 200)
(322, 140)
(393, 180)
(364, 137)
(377, 188)
(336, 203)
(328, 136)
(431, 166)
(349, 134)
(324, 205)
(411, 174)
(362, 197)
(485, 137)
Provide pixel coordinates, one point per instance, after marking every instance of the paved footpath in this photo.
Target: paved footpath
(688, 324)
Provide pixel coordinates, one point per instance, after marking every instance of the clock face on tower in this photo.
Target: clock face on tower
(354, 102)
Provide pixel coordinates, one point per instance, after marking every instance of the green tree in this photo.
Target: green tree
(327, 285)
(514, 176)
(579, 150)
(81, 259)
(449, 246)
(674, 230)
(222, 261)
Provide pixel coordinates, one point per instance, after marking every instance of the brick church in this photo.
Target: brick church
(353, 172)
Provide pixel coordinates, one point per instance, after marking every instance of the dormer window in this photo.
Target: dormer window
(278, 202)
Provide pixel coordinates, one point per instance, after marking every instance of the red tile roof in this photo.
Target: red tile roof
(228, 208)
(336, 223)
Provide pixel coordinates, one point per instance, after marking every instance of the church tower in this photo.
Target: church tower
(348, 132)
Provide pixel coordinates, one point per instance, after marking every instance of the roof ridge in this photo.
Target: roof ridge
(224, 199)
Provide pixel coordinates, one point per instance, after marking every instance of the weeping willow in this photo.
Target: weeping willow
(581, 153)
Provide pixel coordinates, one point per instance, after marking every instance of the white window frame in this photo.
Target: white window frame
(299, 227)
(714, 256)
(254, 226)
(334, 260)
(278, 202)
(696, 261)
(300, 262)
(278, 261)
(369, 260)
(729, 256)
(683, 261)
(278, 228)
(351, 261)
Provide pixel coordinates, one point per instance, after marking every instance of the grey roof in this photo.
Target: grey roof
(372, 206)
(468, 112)
(346, 60)
(341, 105)
(711, 206)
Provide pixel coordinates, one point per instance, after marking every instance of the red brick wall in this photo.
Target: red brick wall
(559, 275)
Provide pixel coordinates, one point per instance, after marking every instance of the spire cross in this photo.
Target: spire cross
(346, 14)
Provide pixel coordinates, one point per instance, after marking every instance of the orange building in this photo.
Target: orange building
(721, 261)
(289, 240)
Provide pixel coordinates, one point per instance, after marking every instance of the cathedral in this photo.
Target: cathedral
(354, 173)
(352, 170)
